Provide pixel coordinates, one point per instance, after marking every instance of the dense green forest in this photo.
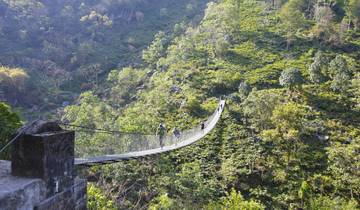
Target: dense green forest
(289, 137)
(68, 47)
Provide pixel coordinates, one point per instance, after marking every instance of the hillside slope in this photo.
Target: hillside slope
(290, 135)
(68, 47)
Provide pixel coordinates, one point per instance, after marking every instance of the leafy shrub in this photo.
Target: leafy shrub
(291, 78)
(9, 122)
(235, 201)
(97, 200)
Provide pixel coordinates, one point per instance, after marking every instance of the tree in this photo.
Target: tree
(96, 22)
(344, 166)
(163, 202)
(353, 11)
(235, 13)
(9, 122)
(124, 84)
(191, 184)
(325, 28)
(317, 69)
(340, 74)
(258, 108)
(92, 112)
(97, 200)
(91, 73)
(190, 9)
(235, 201)
(97, 19)
(221, 46)
(291, 78)
(289, 125)
(84, 52)
(179, 28)
(325, 203)
(293, 18)
(244, 90)
(304, 192)
(13, 77)
(156, 50)
(355, 90)
(12, 81)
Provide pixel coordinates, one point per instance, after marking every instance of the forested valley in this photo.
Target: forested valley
(289, 137)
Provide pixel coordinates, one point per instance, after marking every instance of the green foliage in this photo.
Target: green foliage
(12, 78)
(125, 83)
(355, 89)
(344, 166)
(59, 43)
(193, 105)
(292, 17)
(317, 69)
(291, 78)
(235, 201)
(97, 200)
(244, 90)
(9, 122)
(93, 113)
(340, 74)
(326, 203)
(163, 202)
(12, 82)
(156, 50)
(289, 122)
(190, 183)
(281, 151)
(97, 18)
(304, 191)
(325, 29)
(258, 108)
(353, 8)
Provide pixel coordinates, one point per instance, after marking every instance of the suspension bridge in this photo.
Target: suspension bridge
(146, 145)
(114, 146)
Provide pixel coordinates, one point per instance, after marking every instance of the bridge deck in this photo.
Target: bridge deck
(106, 159)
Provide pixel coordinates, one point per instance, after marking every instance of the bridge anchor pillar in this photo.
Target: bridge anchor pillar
(46, 151)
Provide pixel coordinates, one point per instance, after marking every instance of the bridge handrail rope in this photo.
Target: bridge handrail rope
(98, 130)
(134, 145)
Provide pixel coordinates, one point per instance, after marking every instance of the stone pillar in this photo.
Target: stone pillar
(45, 151)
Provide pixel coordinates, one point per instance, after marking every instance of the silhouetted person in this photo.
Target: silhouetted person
(161, 133)
(176, 133)
(202, 125)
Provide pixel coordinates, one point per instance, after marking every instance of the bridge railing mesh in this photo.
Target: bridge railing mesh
(90, 144)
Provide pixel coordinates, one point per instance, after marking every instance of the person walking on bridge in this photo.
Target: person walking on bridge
(161, 131)
(202, 126)
(176, 134)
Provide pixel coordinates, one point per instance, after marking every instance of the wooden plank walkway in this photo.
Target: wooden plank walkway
(107, 159)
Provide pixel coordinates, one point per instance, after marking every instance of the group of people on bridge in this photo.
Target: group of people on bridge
(162, 130)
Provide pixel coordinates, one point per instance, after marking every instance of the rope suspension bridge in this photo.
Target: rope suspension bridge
(115, 146)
